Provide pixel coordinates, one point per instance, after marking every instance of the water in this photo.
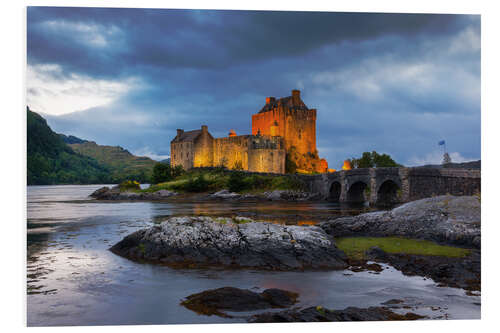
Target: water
(73, 279)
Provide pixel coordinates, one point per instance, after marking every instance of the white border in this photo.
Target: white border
(14, 137)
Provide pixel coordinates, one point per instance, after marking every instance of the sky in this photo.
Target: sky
(394, 83)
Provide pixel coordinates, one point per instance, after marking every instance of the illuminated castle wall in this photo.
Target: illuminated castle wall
(289, 118)
(279, 126)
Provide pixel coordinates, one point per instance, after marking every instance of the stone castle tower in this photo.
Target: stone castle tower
(283, 127)
(289, 118)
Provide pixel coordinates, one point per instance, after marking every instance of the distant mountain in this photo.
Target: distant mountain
(51, 161)
(166, 161)
(69, 139)
(121, 163)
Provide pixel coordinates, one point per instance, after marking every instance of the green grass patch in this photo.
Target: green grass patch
(235, 181)
(355, 247)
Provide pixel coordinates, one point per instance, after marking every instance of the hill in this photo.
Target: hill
(464, 165)
(68, 139)
(121, 163)
(51, 161)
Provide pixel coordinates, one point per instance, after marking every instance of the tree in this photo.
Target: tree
(162, 172)
(374, 160)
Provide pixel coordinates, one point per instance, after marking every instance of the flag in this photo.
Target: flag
(441, 142)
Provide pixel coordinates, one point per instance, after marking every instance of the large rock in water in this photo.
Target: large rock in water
(114, 193)
(319, 314)
(213, 301)
(447, 219)
(204, 241)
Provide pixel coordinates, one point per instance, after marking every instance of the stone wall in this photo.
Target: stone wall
(182, 153)
(266, 160)
(297, 127)
(231, 150)
(424, 182)
(203, 149)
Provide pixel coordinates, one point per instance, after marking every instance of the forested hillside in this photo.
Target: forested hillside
(121, 163)
(51, 161)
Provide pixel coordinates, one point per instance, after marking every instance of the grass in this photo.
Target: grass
(215, 180)
(355, 247)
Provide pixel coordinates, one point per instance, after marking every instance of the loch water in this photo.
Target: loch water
(73, 279)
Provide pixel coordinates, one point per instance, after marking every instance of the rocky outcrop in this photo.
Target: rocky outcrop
(276, 195)
(319, 314)
(114, 193)
(446, 219)
(225, 194)
(215, 301)
(205, 241)
(447, 271)
(288, 195)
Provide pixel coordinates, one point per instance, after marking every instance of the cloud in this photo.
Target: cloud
(146, 151)
(48, 91)
(394, 83)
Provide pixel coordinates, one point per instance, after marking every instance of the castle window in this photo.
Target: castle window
(300, 134)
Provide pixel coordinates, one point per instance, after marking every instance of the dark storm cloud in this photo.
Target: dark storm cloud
(387, 82)
(204, 39)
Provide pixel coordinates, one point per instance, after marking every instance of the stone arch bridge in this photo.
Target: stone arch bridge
(384, 186)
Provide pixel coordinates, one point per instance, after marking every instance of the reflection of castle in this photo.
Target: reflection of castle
(282, 126)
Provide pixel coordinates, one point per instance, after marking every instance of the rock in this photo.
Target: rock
(99, 192)
(105, 193)
(446, 219)
(205, 241)
(453, 272)
(320, 314)
(287, 195)
(162, 194)
(211, 302)
(225, 194)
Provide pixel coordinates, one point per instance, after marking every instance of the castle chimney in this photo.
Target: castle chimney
(179, 132)
(296, 97)
(232, 133)
(270, 100)
(204, 128)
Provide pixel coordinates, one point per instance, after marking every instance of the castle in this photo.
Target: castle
(283, 134)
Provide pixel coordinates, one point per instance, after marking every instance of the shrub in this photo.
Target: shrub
(129, 185)
(163, 172)
(197, 184)
(237, 182)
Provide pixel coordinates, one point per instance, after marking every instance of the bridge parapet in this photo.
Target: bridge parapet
(392, 185)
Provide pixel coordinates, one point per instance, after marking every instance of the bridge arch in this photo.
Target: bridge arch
(356, 192)
(388, 192)
(335, 191)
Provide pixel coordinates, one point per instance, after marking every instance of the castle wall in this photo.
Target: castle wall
(230, 150)
(204, 150)
(182, 153)
(266, 160)
(297, 127)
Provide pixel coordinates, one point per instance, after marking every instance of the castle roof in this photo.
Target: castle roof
(187, 136)
(285, 101)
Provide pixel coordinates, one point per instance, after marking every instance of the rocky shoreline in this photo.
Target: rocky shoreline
(462, 273)
(219, 301)
(114, 193)
(443, 219)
